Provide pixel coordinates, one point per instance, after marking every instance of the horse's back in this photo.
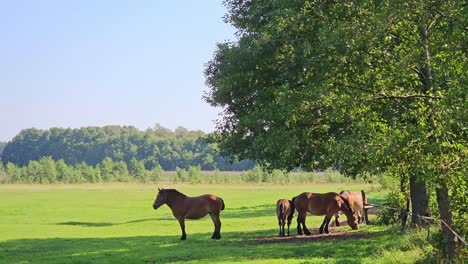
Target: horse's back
(355, 199)
(199, 206)
(318, 203)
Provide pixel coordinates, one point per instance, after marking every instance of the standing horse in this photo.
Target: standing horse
(359, 204)
(327, 204)
(285, 212)
(183, 207)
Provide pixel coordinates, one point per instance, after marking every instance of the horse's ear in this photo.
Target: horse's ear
(159, 189)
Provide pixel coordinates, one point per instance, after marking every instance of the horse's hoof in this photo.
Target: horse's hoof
(183, 237)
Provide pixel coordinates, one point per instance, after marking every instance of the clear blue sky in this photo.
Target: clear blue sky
(107, 62)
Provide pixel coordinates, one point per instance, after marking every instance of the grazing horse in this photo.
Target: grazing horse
(359, 204)
(327, 204)
(285, 212)
(183, 207)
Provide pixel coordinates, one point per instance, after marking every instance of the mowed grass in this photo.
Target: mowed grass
(115, 223)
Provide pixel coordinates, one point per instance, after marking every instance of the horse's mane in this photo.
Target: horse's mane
(346, 202)
(343, 192)
(173, 191)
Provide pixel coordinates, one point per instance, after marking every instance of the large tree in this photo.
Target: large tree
(366, 86)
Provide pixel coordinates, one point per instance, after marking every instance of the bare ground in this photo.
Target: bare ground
(335, 234)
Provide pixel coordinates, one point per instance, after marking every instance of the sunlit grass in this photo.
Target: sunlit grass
(115, 223)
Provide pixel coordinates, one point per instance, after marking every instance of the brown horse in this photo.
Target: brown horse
(183, 207)
(327, 204)
(359, 204)
(285, 212)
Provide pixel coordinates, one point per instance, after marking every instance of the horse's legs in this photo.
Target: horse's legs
(327, 219)
(217, 224)
(182, 226)
(279, 224)
(299, 222)
(304, 227)
(337, 222)
(282, 227)
(289, 223)
(323, 225)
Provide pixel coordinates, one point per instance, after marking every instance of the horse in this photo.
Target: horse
(197, 207)
(285, 212)
(359, 204)
(327, 204)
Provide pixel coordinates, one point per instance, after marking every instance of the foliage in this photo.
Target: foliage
(254, 175)
(194, 174)
(4, 177)
(2, 147)
(367, 87)
(391, 213)
(154, 147)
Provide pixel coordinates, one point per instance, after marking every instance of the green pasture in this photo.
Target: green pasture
(115, 223)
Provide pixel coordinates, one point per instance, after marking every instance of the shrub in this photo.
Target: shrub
(396, 200)
(155, 174)
(194, 174)
(253, 175)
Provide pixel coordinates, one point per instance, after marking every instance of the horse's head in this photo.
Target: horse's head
(160, 198)
(353, 221)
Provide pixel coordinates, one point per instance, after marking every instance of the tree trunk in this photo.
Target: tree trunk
(443, 204)
(443, 201)
(419, 200)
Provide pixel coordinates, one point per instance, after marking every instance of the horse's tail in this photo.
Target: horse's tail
(364, 198)
(281, 211)
(364, 209)
(222, 202)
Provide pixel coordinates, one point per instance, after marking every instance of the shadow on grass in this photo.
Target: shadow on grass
(102, 224)
(241, 212)
(250, 211)
(233, 247)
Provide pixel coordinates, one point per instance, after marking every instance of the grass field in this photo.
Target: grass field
(115, 223)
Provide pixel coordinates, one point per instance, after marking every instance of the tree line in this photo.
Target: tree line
(156, 147)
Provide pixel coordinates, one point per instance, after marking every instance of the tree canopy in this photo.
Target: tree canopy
(366, 87)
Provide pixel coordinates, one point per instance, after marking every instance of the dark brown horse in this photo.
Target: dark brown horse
(327, 204)
(285, 212)
(183, 207)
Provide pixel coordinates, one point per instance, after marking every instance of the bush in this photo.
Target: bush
(253, 175)
(194, 174)
(181, 175)
(4, 177)
(155, 174)
(387, 182)
(396, 200)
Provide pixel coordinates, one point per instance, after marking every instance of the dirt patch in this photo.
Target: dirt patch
(333, 235)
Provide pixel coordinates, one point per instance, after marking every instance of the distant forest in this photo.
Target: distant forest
(154, 147)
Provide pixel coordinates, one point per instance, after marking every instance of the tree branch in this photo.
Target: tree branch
(403, 97)
(439, 15)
